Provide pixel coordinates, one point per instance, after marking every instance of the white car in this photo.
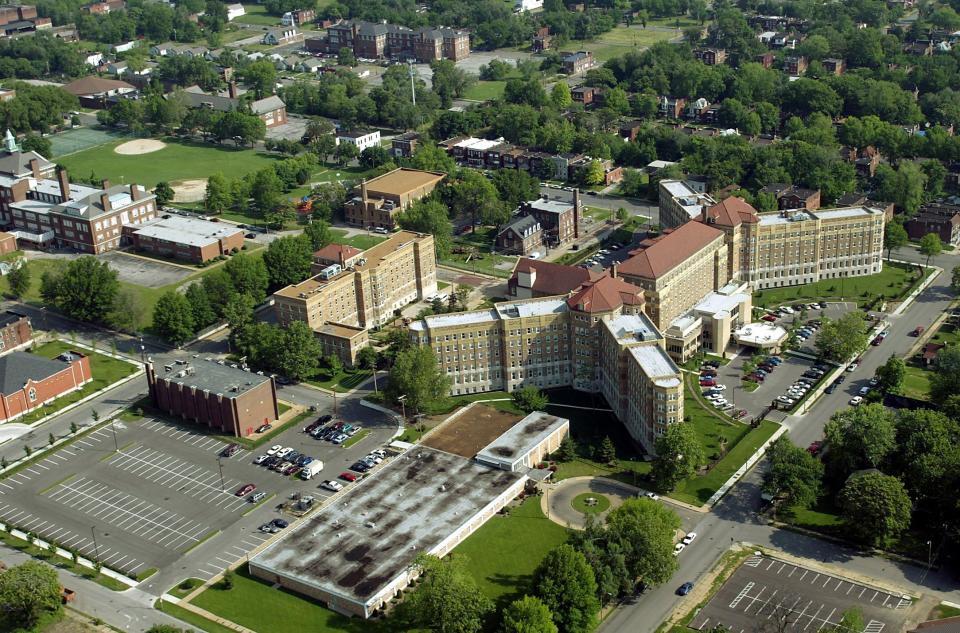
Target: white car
(715, 396)
(273, 449)
(679, 547)
(786, 400)
(689, 538)
(853, 366)
(719, 387)
(334, 486)
(720, 403)
(259, 459)
(787, 309)
(855, 401)
(283, 452)
(651, 495)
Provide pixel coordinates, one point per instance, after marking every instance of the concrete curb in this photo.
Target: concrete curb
(747, 465)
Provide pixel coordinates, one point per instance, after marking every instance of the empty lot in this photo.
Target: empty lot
(797, 599)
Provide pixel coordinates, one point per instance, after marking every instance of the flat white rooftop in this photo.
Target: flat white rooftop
(479, 144)
(655, 362)
(760, 334)
(851, 212)
(719, 306)
(677, 189)
(550, 206)
(456, 318)
(538, 307)
(631, 328)
(521, 438)
(189, 231)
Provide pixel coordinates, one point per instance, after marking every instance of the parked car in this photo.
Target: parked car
(257, 496)
(273, 449)
(679, 547)
(652, 495)
(230, 450)
(863, 391)
(815, 448)
(685, 588)
(708, 383)
(917, 331)
(855, 401)
(280, 523)
(263, 428)
(331, 485)
(259, 459)
(689, 538)
(853, 366)
(769, 317)
(246, 489)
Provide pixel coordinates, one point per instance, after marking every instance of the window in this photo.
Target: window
(32, 394)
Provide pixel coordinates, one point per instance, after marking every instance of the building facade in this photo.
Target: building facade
(28, 381)
(15, 331)
(378, 40)
(559, 219)
(522, 235)
(362, 139)
(941, 219)
(208, 392)
(186, 239)
(386, 278)
(378, 201)
(680, 202)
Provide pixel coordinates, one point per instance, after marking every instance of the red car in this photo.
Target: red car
(245, 490)
(708, 383)
(769, 317)
(348, 476)
(814, 448)
(708, 373)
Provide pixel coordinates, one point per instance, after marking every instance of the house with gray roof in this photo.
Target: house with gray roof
(522, 235)
(29, 381)
(271, 109)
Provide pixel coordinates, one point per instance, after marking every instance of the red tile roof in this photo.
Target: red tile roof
(670, 250)
(732, 211)
(337, 252)
(605, 294)
(552, 279)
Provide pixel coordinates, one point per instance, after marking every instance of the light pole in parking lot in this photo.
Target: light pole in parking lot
(403, 408)
(220, 466)
(96, 549)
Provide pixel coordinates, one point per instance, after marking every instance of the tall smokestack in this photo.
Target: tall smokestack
(134, 192)
(576, 213)
(363, 189)
(64, 184)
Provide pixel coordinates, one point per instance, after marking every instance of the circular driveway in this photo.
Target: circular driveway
(556, 503)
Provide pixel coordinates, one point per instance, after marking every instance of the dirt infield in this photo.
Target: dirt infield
(139, 146)
(189, 190)
(473, 430)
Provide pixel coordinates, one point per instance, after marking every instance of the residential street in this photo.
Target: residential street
(735, 518)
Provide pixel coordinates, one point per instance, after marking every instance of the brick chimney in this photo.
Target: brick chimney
(106, 184)
(64, 184)
(576, 213)
(232, 89)
(613, 269)
(134, 192)
(105, 201)
(363, 190)
(35, 168)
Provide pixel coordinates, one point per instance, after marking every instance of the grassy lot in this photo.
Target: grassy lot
(356, 438)
(192, 618)
(363, 242)
(944, 611)
(486, 264)
(62, 563)
(894, 282)
(947, 334)
(342, 382)
(624, 39)
(485, 90)
(504, 552)
(105, 371)
(185, 587)
(590, 503)
(257, 14)
(916, 383)
(179, 160)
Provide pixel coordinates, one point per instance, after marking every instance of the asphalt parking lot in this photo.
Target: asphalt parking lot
(794, 598)
(155, 489)
(143, 271)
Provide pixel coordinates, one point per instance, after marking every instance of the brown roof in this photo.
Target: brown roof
(930, 350)
(605, 294)
(95, 85)
(731, 211)
(552, 279)
(946, 625)
(670, 250)
(402, 181)
(337, 252)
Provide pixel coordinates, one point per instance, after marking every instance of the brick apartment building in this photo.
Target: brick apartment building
(186, 239)
(578, 62)
(559, 219)
(405, 145)
(376, 202)
(211, 393)
(342, 341)
(379, 40)
(522, 235)
(941, 219)
(271, 109)
(793, 197)
(38, 209)
(16, 331)
(28, 381)
(711, 56)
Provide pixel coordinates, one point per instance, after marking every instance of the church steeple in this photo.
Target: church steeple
(10, 142)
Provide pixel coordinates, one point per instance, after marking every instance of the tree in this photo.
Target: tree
(794, 472)
(200, 306)
(858, 438)
(430, 216)
(173, 318)
(448, 599)
(876, 507)
(567, 450)
(560, 95)
(476, 197)
(267, 190)
(219, 195)
(226, 581)
(300, 353)
(248, 275)
(345, 153)
(85, 290)
(593, 174)
(930, 246)
(955, 279)
(374, 156)
(528, 615)
(18, 280)
(841, 339)
(448, 81)
(529, 399)
(415, 374)
(945, 380)
(894, 238)
(515, 186)
(891, 374)
(679, 455)
(904, 185)
(645, 531)
(608, 452)
(566, 585)
(345, 57)
(164, 193)
(288, 260)
(318, 232)
(324, 146)
(27, 591)
(261, 76)
(39, 144)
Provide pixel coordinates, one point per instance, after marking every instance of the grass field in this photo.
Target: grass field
(590, 503)
(257, 14)
(488, 264)
(893, 282)
(623, 39)
(504, 552)
(363, 242)
(485, 90)
(916, 383)
(179, 160)
(342, 382)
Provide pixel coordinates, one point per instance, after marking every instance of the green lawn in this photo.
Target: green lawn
(105, 371)
(916, 383)
(893, 282)
(179, 160)
(947, 334)
(624, 39)
(485, 90)
(342, 382)
(496, 265)
(590, 503)
(504, 552)
(363, 242)
(257, 14)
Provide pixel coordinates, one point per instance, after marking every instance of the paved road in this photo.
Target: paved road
(735, 518)
(634, 206)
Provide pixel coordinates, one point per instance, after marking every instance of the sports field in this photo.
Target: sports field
(179, 160)
(623, 39)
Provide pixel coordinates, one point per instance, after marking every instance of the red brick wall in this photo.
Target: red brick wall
(8, 243)
(65, 381)
(15, 334)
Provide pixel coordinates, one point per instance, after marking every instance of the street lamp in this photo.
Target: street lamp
(96, 549)
(403, 407)
(220, 466)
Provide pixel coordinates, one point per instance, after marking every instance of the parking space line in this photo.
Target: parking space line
(875, 594)
(828, 620)
(40, 465)
(764, 605)
(817, 577)
(874, 626)
(826, 582)
(812, 618)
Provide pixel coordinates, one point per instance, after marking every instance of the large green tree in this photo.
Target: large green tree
(945, 381)
(894, 238)
(529, 399)
(927, 460)
(955, 279)
(646, 531)
(903, 186)
(891, 374)
(288, 260)
(299, 356)
(679, 455)
(793, 472)
(18, 280)
(219, 195)
(860, 437)
(447, 600)
(448, 81)
(840, 339)
(430, 216)
(565, 583)
(528, 615)
(415, 374)
(515, 186)
(85, 290)
(318, 232)
(27, 592)
(876, 508)
(173, 318)
(248, 275)
(930, 246)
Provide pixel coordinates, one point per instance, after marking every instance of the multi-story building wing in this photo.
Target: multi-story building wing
(680, 202)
